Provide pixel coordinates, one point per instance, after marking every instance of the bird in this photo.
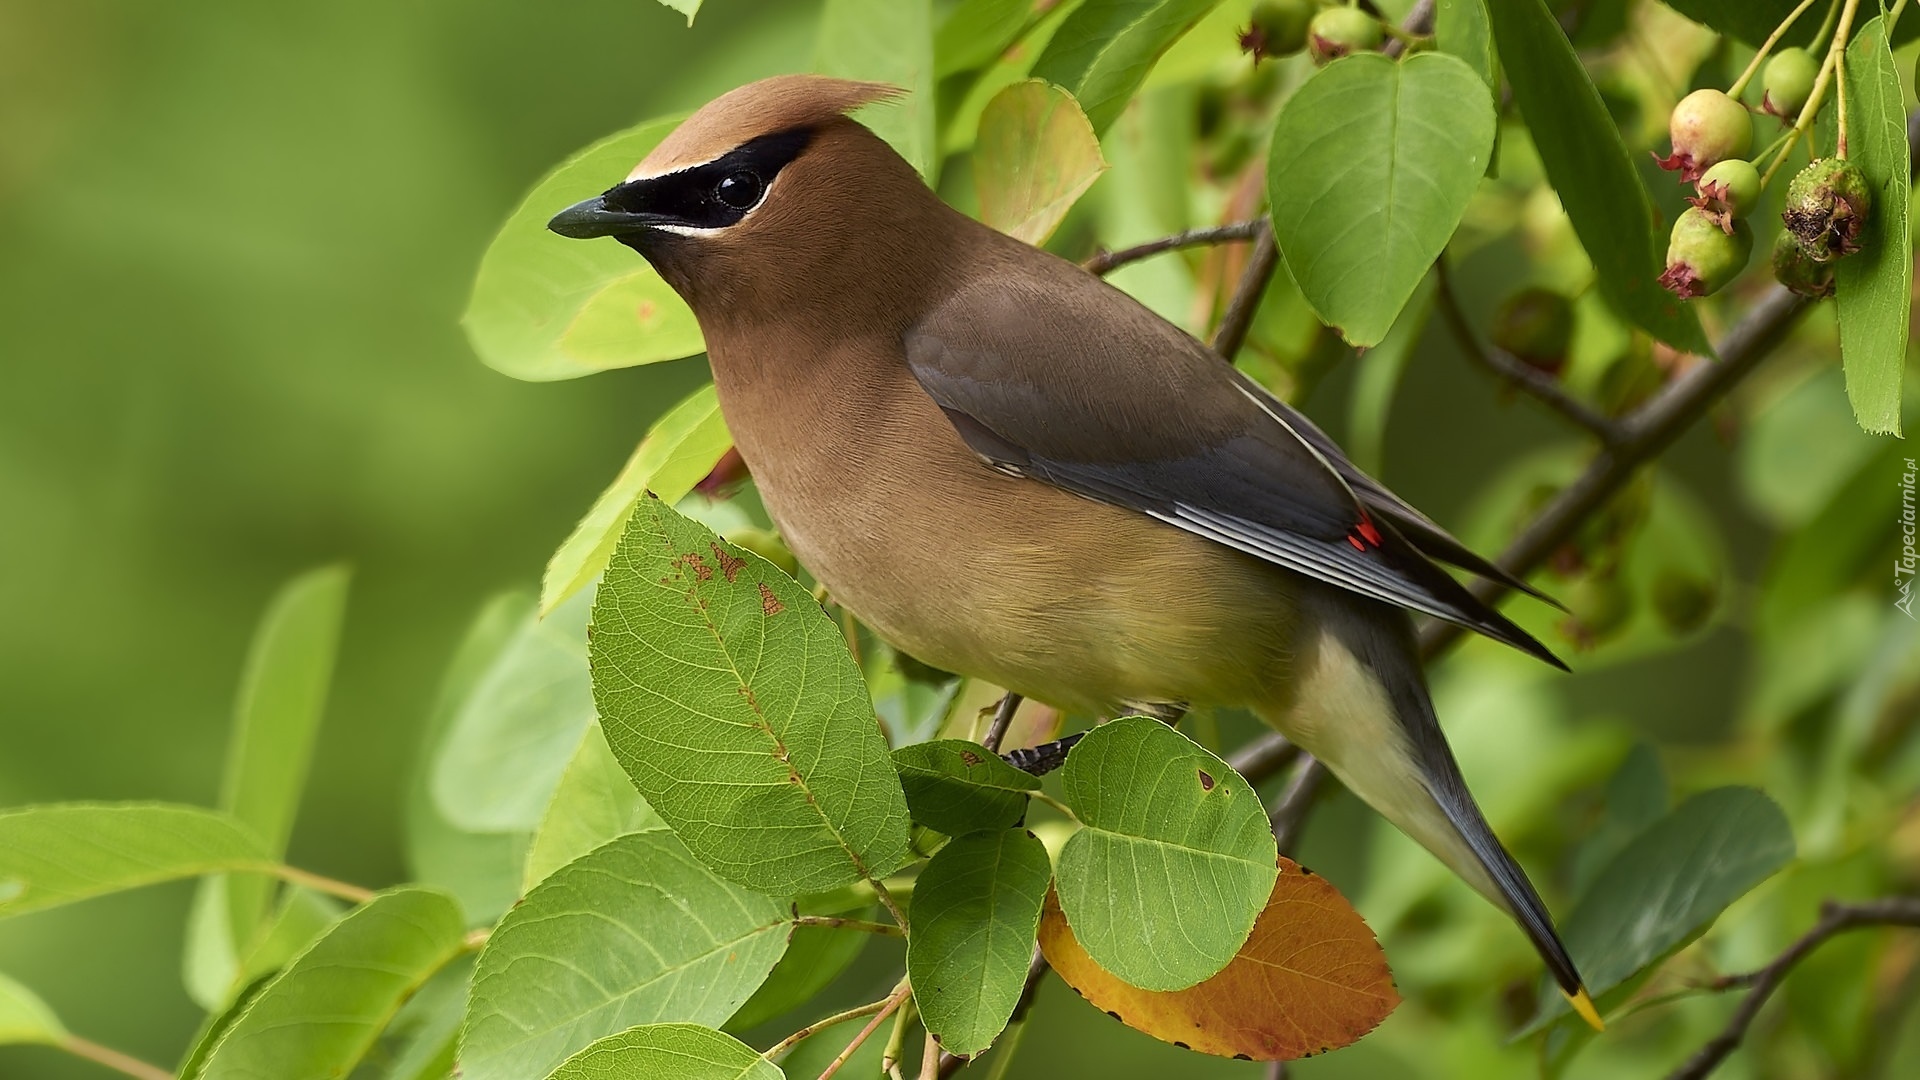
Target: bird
(1010, 469)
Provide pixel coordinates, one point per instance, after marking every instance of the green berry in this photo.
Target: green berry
(1788, 82)
(1707, 127)
(1279, 28)
(1795, 269)
(1826, 207)
(1536, 325)
(1338, 31)
(1599, 607)
(1701, 257)
(1683, 602)
(1728, 192)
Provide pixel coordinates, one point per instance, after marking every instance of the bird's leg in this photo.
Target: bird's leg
(1043, 759)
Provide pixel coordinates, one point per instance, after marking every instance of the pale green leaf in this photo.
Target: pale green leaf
(679, 450)
(424, 1037)
(689, 8)
(729, 697)
(482, 870)
(24, 1018)
(59, 853)
(976, 908)
(1460, 28)
(957, 787)
(636, 932)
(887, 41)
(1873, 288)
(976, 32)
(1176, 860)
(1104, 50)
(517, 728)
(594, 803)
(1668, 885)
(283, 695)
(544, 307)
(1372, 165)
(1588, 164)
(319, 1016)
(1035, 156)
(668, 1052)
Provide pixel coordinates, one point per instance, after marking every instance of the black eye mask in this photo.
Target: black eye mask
(716, 194)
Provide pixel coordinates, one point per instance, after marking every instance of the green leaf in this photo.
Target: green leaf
(1035, 156)
(544, 307)
(729, 697)
(59, 853)
(888, 41)
(1105, 49)
(1873, 288)
(957, 787)
(976, 32)
(689, 8)
(1668, 885)
(1589, 167)
(668, 1052)
(514, 733)
(318, 1017)
(815, 956)
(976, 909)
(636, 932)
(422, 1041)
(1176, 861)
(303, 916)
(594, 803)
(1372, 165)
(677, 452)
(1460, 28)
(24, 1018)
(283, 695)
(481, 870)
(1636, 798)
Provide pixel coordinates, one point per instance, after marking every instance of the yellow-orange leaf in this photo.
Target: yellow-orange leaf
(1311, 978)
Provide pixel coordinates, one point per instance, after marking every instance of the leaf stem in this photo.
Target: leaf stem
(834, 922)
(351, 893)
(887, 1005)
(476, 939)
(893, 908)
(112, 1059)
(1835, 49)
(824, 1023)
(1753, 67)
(897, 1039)
(1065, 810)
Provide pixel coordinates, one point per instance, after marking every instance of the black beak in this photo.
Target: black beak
(596, 217)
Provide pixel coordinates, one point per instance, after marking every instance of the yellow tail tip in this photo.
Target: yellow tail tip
(1583, 1005)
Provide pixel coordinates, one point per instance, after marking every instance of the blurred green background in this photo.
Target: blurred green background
(235, 239)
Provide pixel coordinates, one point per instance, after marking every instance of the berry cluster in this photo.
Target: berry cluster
(1285, 27)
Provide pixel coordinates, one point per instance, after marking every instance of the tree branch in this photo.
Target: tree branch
(1419, 21)
(1835, 918)
(1290, 810)
(1106, 262)
(1247, 295)
(1537, 384)
(1002, 718)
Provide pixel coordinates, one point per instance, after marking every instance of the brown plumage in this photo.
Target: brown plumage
(1012, 470)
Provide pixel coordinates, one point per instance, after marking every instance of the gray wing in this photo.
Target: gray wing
(1058, 377)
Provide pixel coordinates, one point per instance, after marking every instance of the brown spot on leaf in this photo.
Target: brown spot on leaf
(729, 564)
(1206, 782)
(692, 560)
(970, 759)
(769, 604)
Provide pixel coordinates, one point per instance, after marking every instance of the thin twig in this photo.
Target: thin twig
(476, 939)
(1106, 262)
(1238, 320)
(1835, 918)
(353, 894)
(824, 1023)
(890, 1058)
(1537, 384)
(863, 925)
(1753, 66)
(930, 1058)
(1290, 810)
(1264, 757)
(886, 900)
(112, 1059)
(1418, 21)
(1002, 718)
(887, 1006)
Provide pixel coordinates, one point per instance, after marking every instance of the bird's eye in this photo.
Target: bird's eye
(739, 190)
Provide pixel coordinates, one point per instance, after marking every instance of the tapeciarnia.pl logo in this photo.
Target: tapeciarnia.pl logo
(1904, 567)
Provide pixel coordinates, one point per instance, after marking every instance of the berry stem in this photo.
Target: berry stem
(1753, 67)
(1835, 49)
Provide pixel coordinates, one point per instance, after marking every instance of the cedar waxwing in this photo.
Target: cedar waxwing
(1010, 469)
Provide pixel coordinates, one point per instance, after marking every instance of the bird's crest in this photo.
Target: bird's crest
(780, 103)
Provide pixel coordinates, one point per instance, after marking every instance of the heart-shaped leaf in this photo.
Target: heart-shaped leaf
(1176, 860)
(1372, 165)
(1310, 978)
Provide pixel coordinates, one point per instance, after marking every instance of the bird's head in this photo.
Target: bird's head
(766, 192)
